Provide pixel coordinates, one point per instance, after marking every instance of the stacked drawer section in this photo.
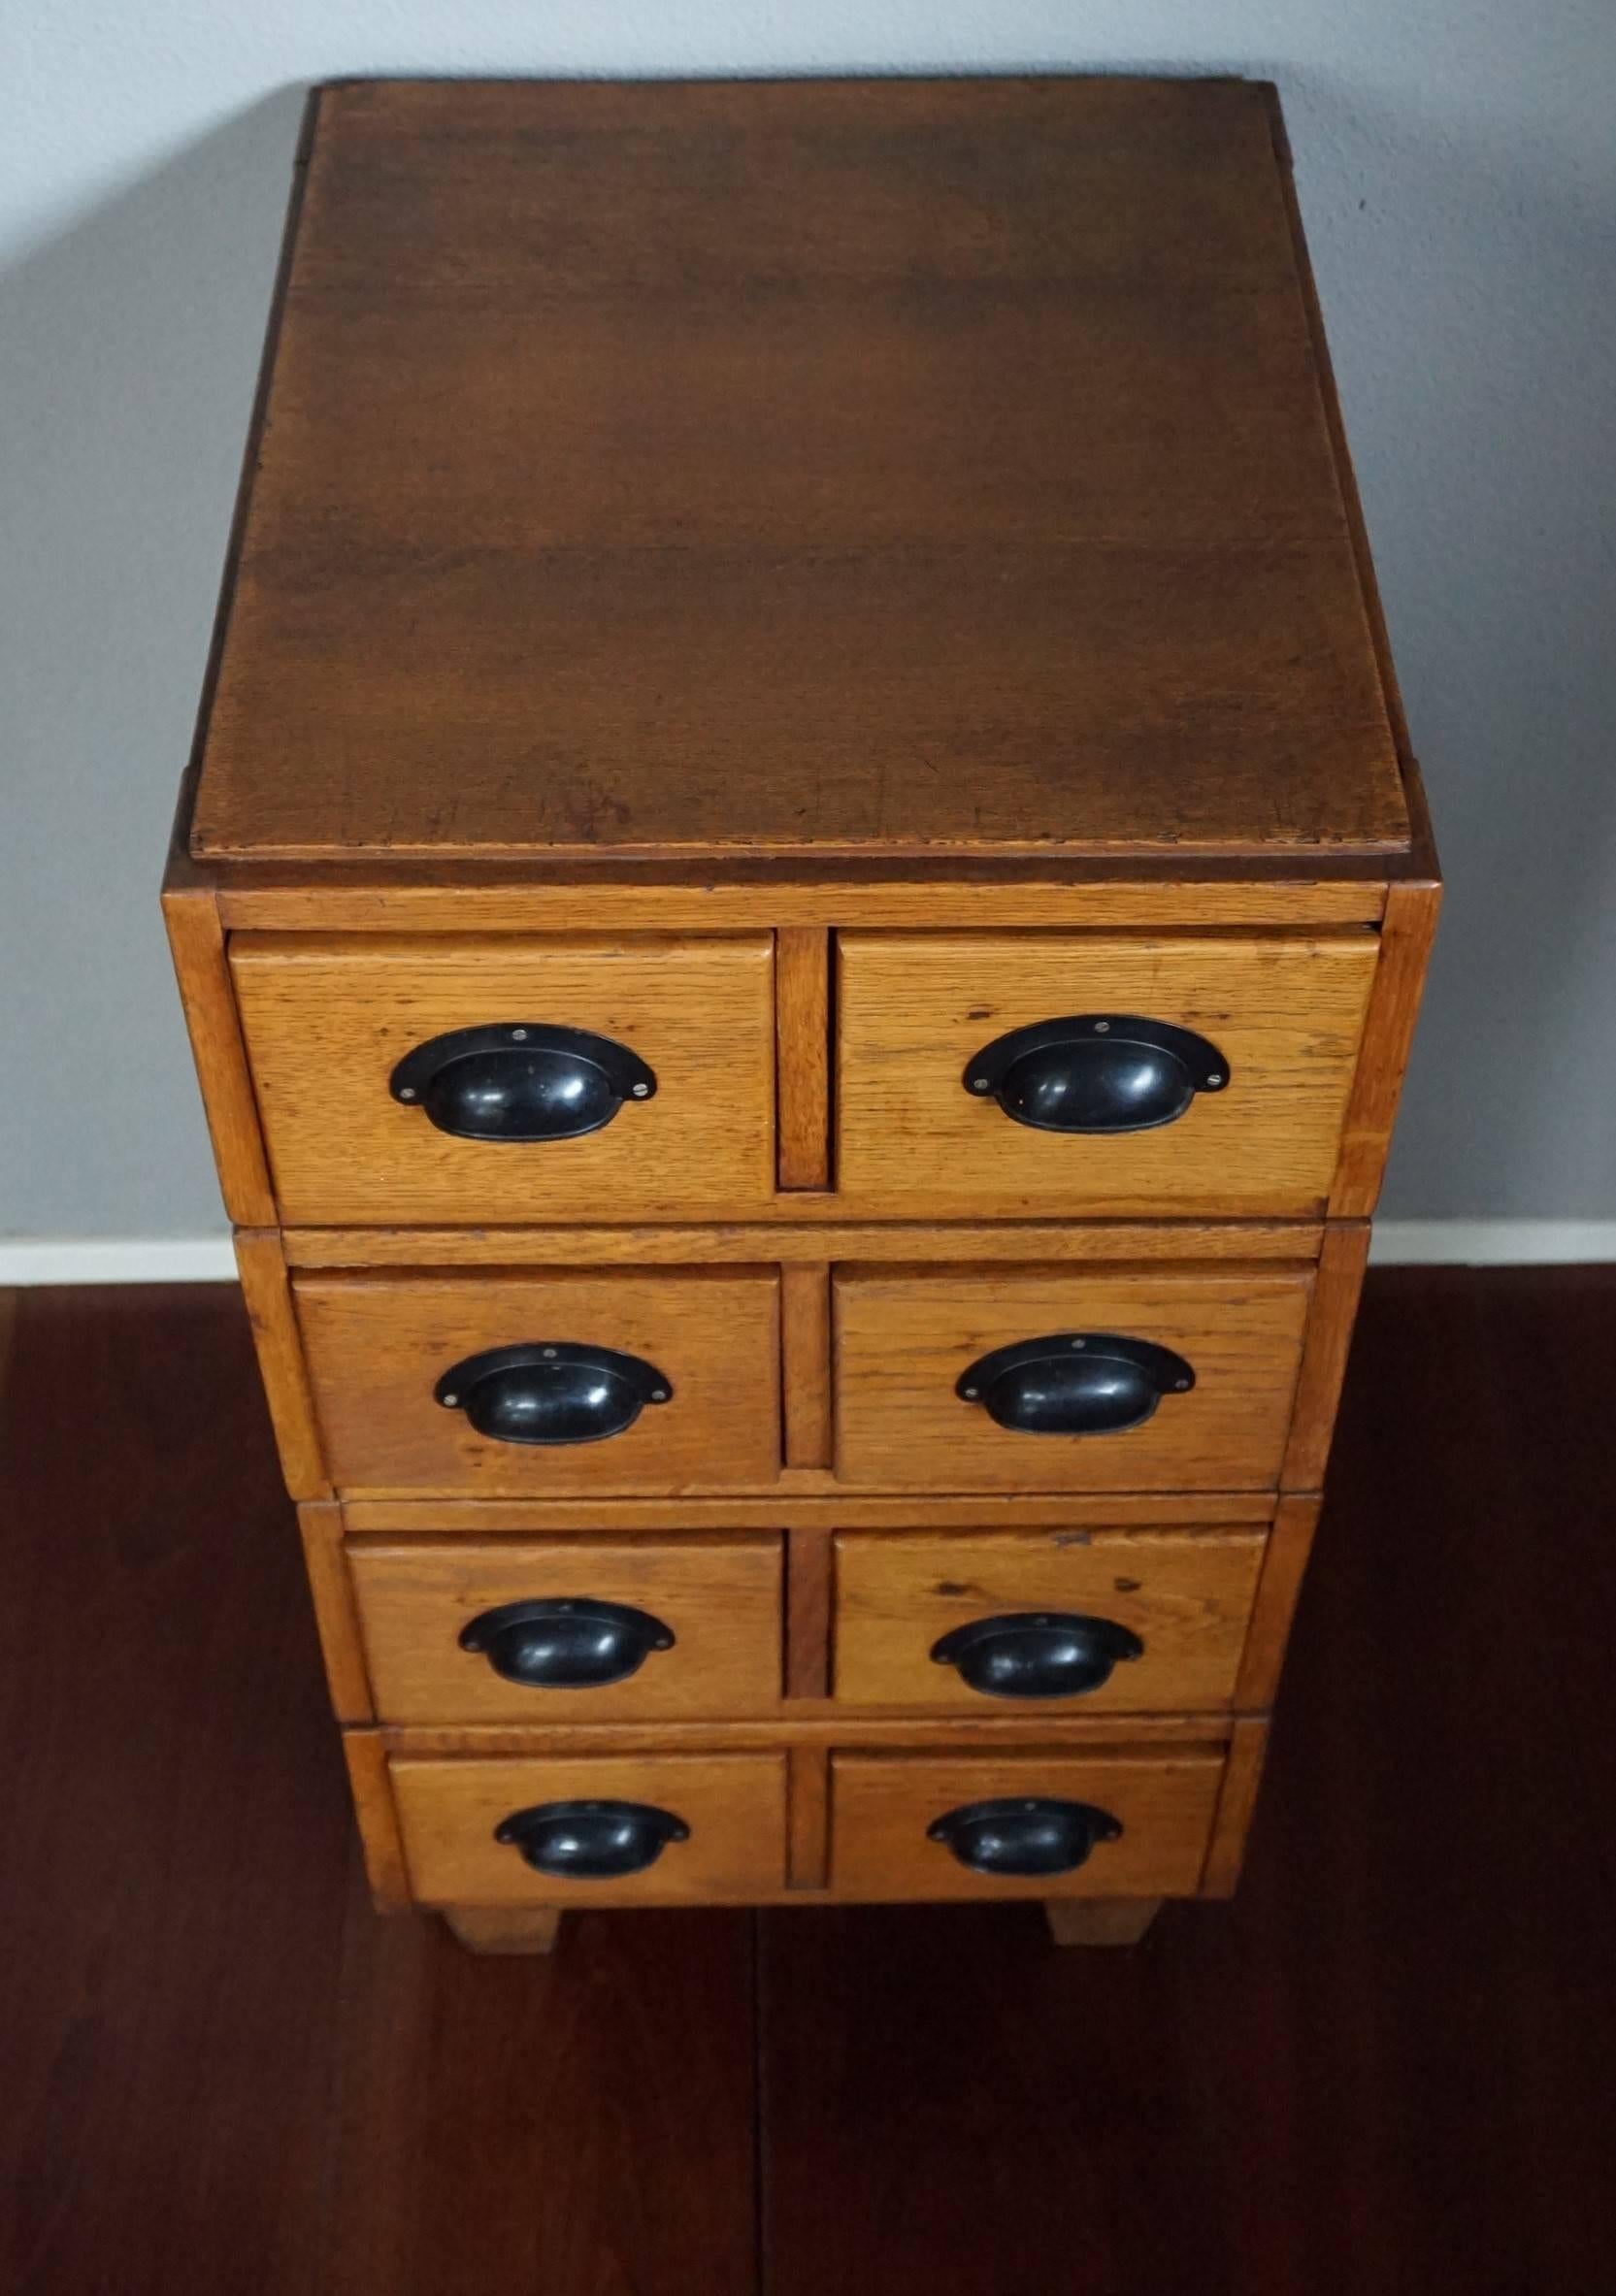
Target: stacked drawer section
(679, 1535)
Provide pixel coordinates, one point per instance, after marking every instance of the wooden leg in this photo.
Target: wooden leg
(1099, 1920)
(503, 1929)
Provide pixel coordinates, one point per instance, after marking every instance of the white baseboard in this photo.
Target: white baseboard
(1491, 1243)
(117, 1260)
(208, 1259)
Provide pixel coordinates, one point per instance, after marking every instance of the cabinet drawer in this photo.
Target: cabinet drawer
(655, 1830)
(1093, 1826)
(1282, 1018)
(583, 1418)
(565, 1628)
(906, 1340)
(328, 1021)
(987, 1621)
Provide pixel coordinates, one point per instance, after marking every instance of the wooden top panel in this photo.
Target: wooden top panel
(835, 467)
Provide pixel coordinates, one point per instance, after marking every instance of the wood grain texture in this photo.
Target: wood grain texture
(1285, 1556)
(808, 1847)
(1406, 941)
(825, 1233)
(458, 897)
(321, 1526)
(328, 1020)
(502, 1929)
(1186, 1595)
(266, 1292)
(904, 1337)
(1287, 1015)
(827, 1509)
(1330, 1319)
(1099, 1920)
(1237, 1806)
(196, 942)
(811, 1571)
(375, 1808)
(808, 1724)
(899, 499)
(805, 1365)
(719, 1597)
(803, 1054)
(377, 1347)
(882, 1804)
(733, 1803)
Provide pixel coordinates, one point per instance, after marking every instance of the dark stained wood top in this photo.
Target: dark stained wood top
(891, 466)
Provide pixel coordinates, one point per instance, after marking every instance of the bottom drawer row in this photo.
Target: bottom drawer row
(711, 1828)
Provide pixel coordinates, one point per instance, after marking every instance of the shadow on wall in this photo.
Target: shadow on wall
(1470, 291)
(128, 355)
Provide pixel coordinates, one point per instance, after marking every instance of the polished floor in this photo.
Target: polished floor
(1389, 2067)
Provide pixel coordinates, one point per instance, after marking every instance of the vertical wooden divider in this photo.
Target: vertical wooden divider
(805, 1365)
(807, 1791)
(810, 1572)
(803, 1055)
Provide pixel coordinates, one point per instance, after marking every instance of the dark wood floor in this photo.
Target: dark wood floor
(1387, 2067)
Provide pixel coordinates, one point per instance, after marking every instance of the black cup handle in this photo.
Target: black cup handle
(1074, 1383)
(1038, 1654)
(591, 1841)
(566, 1643)
(1029, 1838)
(520, 1080)
(551, 1392)
(1095, 1072)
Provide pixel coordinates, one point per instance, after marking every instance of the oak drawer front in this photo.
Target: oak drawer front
(682, 1124)
(1093, 1826)
(925, 1077)
(1047, 1620)
(561, 1629)
(592, 1829)
(907, 1339)
(578, 1359)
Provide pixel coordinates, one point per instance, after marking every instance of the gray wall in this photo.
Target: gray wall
(1458, 172)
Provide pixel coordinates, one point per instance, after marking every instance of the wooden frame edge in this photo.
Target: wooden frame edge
(1237, 1806)
(208, 1001)
(1407, 934)
(1285, 1556)
(319, 1524)
(1332, 1314)
(267, 1289)
(372, 1786)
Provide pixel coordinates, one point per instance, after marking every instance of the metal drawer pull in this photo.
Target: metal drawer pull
(591, 1841)
(1097, 1073)
(520, 1080)
(1074, 1383)
(567, 1643)
(544, 1392)
(1024, 1837)
(1037, 1654)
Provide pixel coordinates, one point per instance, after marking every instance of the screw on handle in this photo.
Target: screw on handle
(1097, 1073)
(520, 1081)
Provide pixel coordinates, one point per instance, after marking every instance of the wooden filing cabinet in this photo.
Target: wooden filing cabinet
(801, 905)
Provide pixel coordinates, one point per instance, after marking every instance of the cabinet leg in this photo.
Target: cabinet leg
(503, 1929)
(1099, 1920)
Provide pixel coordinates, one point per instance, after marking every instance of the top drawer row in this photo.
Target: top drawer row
(978, 1076)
